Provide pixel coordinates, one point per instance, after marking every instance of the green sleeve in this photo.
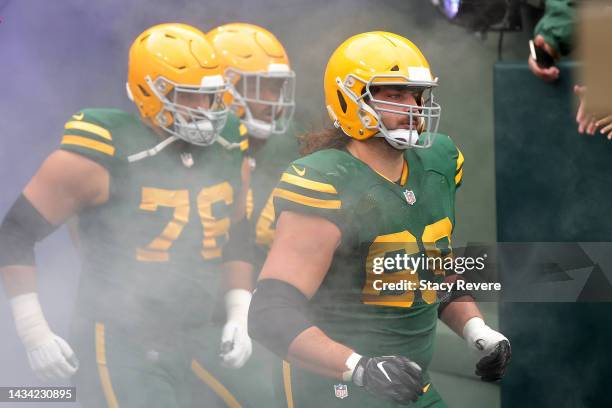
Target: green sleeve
(446, 158)
(557, 25)
(305, 190)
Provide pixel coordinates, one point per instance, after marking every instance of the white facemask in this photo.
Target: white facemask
(197, 126)
(281, 109)
(426, 114)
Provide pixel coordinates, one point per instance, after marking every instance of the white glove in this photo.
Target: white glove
(50, 357)
(236, 346)
(493, 349)
(481, 338)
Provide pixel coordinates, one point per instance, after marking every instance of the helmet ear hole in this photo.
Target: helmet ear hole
(395, 68)
(342, 101)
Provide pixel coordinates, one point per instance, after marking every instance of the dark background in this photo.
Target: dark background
(553, 186)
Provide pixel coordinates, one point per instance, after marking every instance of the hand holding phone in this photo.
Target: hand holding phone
(541, 57)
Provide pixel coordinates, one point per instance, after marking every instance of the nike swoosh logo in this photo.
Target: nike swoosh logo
(382, 369)
(78, 116)
(298, 171)
(426, 388)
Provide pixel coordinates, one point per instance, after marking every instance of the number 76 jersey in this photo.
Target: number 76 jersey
(379, 220)
(151, 254)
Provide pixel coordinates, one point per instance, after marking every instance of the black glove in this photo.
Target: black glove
(492, 367)
(394, 378)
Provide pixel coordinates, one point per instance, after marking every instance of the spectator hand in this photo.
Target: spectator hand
(587, 121)
(547, 74)
(606, 130)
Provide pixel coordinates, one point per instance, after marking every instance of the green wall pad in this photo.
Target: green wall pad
(552, 184)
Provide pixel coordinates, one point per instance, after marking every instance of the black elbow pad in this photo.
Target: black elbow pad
(277, 315)
(21, 228)
(447, 298)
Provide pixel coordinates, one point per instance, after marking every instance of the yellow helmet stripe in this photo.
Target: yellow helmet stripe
(89, 127)
(309, 201)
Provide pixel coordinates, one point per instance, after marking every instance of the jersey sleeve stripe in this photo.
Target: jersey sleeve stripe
(242, 129)
(308, 184)
(244, 145)
(304, 200)
(458, 177)
(88, 143)
(460, 160)
(89, 127)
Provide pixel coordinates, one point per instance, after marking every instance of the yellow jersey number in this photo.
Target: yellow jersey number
(153, 198)
(403, 242)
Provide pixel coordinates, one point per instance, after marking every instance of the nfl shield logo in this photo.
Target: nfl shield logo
(341, 391)
(410, 197)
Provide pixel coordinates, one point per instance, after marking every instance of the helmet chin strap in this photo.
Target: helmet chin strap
(400, 139)
(153, 151)
(227, 144)
(258, 128)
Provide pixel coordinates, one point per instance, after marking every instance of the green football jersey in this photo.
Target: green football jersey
(152, 253)
(269, 160)
(378, 218)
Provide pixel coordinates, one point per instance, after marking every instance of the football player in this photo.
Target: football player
(156, 194)
(262, 85)
(387, 186)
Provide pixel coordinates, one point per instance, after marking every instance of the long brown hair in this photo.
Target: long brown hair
(329, 138)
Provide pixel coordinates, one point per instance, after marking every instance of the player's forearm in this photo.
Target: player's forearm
(314, 350)
(278, 319)
(18, 279)
(238, 275)
(21, 289)
(458, 312)
(325, 372)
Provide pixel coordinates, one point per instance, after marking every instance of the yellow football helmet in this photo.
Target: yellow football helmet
(176, 81)
(262, 82)
(377, 59)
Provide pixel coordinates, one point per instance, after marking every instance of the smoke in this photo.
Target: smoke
(59, 57)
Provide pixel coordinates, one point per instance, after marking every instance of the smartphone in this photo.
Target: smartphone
(541, 57)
